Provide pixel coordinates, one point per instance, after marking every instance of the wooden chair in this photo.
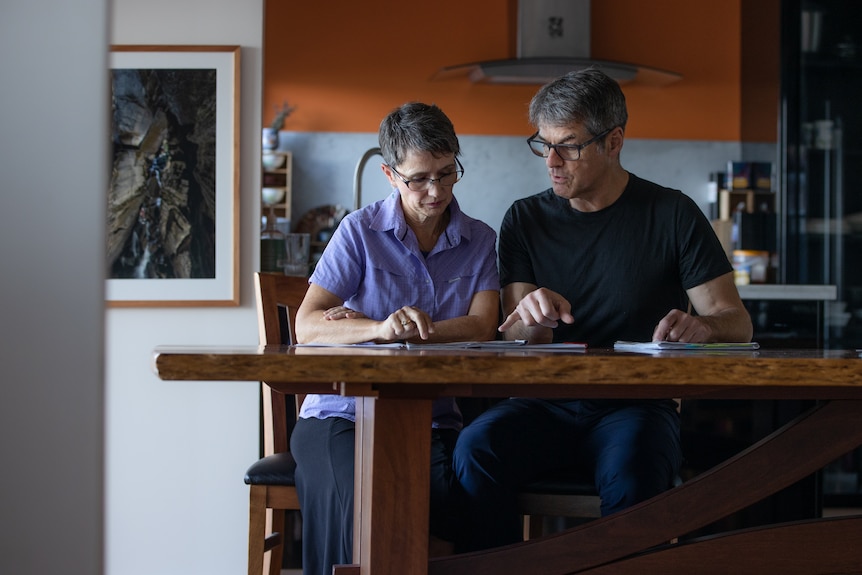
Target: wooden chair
(272, 479)
(572, 497)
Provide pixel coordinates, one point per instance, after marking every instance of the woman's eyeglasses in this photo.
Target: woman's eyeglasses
(422, 184)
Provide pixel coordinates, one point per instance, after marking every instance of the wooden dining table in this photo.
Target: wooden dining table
(395, 388)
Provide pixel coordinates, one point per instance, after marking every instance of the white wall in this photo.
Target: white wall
(177, 451)
(53, 176)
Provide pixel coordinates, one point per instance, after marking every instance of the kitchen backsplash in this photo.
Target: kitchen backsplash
(498, 169)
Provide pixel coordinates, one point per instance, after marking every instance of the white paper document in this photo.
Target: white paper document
(562, 347)
(365, 345)
(502, 345)
(493, 345)
(682, 346)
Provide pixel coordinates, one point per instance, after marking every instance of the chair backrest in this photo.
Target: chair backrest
(278, 297)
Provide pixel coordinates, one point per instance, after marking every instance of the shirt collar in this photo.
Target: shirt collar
(391, 217)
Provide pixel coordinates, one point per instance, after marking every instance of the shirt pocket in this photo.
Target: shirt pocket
(391, 284)
(455, 294)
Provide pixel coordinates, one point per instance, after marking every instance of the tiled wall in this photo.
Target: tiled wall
(499, 169)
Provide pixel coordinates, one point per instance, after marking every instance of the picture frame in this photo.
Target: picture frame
(173, 198)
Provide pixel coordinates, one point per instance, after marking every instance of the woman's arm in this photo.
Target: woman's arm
(315, 324)
(480, 323)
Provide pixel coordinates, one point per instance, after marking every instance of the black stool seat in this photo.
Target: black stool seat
(276, 469)
(561, 486)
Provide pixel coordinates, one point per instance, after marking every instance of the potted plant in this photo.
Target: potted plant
(270, 135)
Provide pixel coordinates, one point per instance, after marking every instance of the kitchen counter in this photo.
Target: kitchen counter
(788, 292)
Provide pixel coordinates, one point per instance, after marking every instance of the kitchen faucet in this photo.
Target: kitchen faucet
(357, 177)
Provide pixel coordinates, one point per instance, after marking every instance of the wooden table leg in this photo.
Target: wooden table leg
(393, 454)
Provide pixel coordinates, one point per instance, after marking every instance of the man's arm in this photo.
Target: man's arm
(721, 315)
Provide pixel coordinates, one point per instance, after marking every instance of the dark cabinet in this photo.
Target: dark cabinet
(810, 53)
(820, 180)
(820, 151)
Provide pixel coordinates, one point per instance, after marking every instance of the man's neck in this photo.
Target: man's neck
(606, 193)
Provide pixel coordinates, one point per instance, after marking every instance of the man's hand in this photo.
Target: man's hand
(540, 307)
(680, 326)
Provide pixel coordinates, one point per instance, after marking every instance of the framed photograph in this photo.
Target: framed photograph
(173, 197)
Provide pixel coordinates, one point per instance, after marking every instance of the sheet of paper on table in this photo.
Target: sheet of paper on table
(365, 345)
(501, 345)
(682, 346)
(494, 345)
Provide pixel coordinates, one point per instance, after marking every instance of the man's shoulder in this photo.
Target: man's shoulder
(642, 185)
(646, 191)
(540, 200)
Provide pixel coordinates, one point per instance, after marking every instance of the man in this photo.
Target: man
(601, 256)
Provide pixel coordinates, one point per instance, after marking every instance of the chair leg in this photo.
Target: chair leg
(276, 555)
(534, 526)
(440, 547)
(256, 529)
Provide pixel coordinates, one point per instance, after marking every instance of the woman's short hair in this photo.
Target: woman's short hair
(416, 127)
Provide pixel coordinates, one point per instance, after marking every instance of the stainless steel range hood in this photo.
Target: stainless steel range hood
(553, 39)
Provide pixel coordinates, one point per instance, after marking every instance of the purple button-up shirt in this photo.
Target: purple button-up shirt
(373, 262)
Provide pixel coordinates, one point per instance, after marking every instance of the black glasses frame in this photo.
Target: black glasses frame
(427, 182)
(545, 148)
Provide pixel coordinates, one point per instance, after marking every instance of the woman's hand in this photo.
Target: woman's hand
(342, 312)
(407, 322)
(404, 323)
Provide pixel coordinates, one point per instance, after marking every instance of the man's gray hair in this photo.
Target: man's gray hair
(588, 96)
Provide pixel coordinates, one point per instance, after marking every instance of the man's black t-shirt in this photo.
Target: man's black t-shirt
(622, 268)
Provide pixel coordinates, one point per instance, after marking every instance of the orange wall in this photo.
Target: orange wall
(345, 63)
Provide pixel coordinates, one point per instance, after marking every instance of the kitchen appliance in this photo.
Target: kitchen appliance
(554, 39)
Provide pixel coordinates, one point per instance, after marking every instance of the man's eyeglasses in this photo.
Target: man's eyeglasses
(422, 184)
(568, 152)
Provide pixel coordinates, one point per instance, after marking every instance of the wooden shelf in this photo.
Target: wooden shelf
(277, 172)
(752, 200)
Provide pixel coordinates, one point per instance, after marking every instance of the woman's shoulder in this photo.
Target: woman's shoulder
(370, 216)
(474, 227)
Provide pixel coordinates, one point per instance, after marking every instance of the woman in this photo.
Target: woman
(410, 267)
